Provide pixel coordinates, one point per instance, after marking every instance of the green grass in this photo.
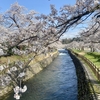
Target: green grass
(13, 58)
(77, 51)
(94, 57)
(25, 58)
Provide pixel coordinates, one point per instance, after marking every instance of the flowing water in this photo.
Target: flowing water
(58, 81)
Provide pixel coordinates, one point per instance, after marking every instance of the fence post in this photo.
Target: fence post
(99, 74)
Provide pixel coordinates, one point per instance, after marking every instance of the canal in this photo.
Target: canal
(58, 81)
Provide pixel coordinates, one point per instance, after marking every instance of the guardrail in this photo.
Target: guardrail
(95, 70)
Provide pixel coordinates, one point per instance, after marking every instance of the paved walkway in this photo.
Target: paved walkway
(94, 83)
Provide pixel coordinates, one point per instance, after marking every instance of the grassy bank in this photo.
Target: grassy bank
(94, 57)
(24, 58)
(13, 58)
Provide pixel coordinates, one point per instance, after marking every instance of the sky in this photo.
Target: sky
(41, 6)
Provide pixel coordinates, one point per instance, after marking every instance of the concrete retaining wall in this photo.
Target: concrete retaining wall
(35, 67)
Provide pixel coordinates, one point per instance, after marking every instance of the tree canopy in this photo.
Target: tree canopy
(23, 31)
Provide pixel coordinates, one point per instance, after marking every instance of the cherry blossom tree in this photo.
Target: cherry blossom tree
(26, 28)
(20, 28)
(70, 16)
(90, 35)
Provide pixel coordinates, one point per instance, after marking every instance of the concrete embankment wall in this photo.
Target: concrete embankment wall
(36, 65)
(84, 91)
(39, 63)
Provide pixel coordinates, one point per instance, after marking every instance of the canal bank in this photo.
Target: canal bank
(92, 74)
(85, 91)
(58, 81)
(36, 65)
